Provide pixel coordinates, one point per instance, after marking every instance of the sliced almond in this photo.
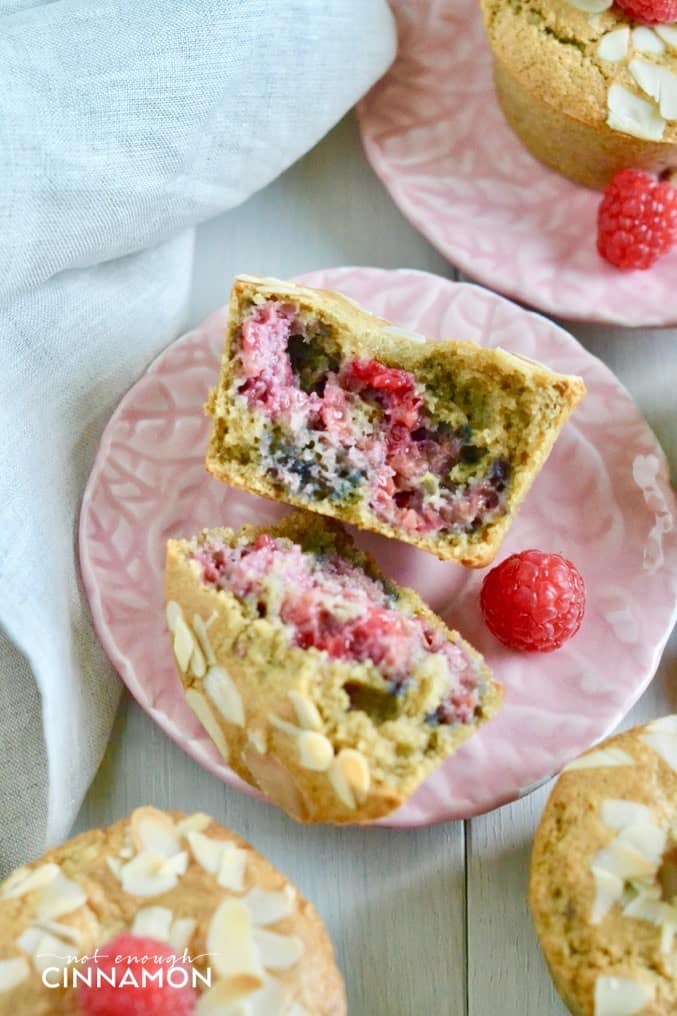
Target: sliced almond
(668, 33)
(153, 921)
(50, 951)
(278, 952)
(232, 950)
(620, 996)
(276, 782)
(28, 940)
(315, 751)
(181, 932)
(151, 873)
(614, 46)
(173, 613)
(26, 880)
(184, 644)
(60, 896)
(618, 814)
(13, 972)
(659, 83)
(152, 829)
(664, 743)
(267, 907)
(198, 664)
(647, 909)
(356, 770)
(229, 998)
(623, 860)
(647, 838)
(220, 858)
(223, 692)
(306, 711)
(339, 782)
(201, 634)
(196, 823)
(258, 740)
(608, 890)
(645, 40)
(198, 703)
(631, 114)
(602, 758)
(66, 932)
(286, 728)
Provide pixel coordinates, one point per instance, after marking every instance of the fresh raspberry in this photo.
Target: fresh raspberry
(533, 601)
(387, 379)
(127, 953)
(651, 12)
(637, 219)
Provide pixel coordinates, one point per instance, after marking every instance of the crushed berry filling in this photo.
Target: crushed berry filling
(329, 604)
(359, 429)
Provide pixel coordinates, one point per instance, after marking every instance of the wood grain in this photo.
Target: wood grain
(408, 940)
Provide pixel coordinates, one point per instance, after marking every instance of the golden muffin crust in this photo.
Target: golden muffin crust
(603, 880)
(181, 879)
(515, 407)
(553, 86)
(323, 738)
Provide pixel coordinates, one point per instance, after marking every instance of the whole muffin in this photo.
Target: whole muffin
(587, 93)
(163, 878)
(603, 885)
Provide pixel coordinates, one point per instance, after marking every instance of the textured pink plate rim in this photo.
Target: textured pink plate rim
(603, 499)
(434, 134)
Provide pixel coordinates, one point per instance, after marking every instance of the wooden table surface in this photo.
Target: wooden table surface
(427, 921)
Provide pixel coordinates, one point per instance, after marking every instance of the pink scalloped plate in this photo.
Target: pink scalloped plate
(603, 499)
(434, 134)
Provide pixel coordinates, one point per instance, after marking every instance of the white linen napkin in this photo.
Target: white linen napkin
(122, 124)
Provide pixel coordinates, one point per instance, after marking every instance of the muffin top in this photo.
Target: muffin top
(603, 885)
(182, 880)
(599, 67)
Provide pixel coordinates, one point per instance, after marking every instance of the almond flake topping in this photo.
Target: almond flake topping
(154, 829)
(631, 114)
(614, 46)
(668, 34)
(306, 711)
(150, 873)
(13, 972)
(601, 759)
(221, 858)
(628, 870)
(224, 694)
(315, 751)
(26, 880)
(196, 823)
(233, 952)
(620, 996)
(645, 40)
(661, 735)
(184, 644)
(198, 703)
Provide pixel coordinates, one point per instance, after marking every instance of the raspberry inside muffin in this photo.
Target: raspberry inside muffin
(324, 406)
(349, 428)
(328, 603)
(319, 680)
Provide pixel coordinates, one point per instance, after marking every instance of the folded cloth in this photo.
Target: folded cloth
(122, 125)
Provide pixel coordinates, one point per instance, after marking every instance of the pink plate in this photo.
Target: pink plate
(434, 134)
(603, 500)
